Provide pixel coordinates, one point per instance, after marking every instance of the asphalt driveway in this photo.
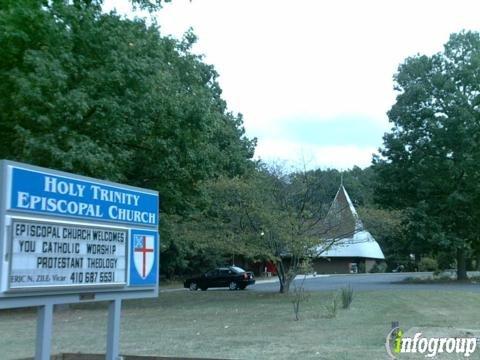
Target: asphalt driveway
(367, 282)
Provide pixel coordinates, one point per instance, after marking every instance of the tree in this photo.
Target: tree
(429, 161)
(388, 229)
(100, 95)
(103, 96)
(270, 215)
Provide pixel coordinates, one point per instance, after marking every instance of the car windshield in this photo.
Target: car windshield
(211, 273)
(237, 269)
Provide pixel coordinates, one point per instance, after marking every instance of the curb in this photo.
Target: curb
(298, 277)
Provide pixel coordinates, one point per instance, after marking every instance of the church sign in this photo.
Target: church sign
(66, 239)
(63, 234)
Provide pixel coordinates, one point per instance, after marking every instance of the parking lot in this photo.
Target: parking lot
(367, 282)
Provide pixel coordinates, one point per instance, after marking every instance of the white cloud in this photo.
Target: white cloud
(281, 59)
(297, 155)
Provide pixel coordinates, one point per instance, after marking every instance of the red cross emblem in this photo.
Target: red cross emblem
(143, 254)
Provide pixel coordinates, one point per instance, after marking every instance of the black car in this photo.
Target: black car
(232, 277)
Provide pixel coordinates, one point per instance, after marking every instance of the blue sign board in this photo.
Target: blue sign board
(61, 196)
(63, 234)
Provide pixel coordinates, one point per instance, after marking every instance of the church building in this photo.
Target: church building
(347, 247)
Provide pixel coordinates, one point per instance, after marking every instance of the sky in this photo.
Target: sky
(314, 78)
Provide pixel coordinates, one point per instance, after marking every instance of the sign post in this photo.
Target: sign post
(113, 329)
(66, 239)
(44, 332)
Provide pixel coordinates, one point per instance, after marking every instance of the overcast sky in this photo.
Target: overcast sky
(313, 78)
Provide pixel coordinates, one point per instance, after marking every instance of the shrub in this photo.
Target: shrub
(379, 267)
(445, 260)
(347, 296)
(298, 296)
(427, 264)
(332, 307)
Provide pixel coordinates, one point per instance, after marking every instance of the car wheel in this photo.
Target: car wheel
(233, 285)
(203, 288)
(193, 286)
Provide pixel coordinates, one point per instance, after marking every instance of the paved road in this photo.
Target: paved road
(366, 282)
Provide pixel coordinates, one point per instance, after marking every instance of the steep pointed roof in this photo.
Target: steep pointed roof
(344, 231)
(342, 219)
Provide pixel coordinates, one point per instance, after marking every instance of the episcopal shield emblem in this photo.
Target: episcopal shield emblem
(143, 254)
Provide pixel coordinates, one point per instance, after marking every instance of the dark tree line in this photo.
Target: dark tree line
(104, 96)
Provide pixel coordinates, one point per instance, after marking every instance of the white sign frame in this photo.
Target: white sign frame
(67, 287)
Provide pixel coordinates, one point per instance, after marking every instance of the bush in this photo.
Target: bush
(361, 268)
(298, 296)
(445, 261)
(332, 307)
(347, 296)
(427, 264)
(379, 267)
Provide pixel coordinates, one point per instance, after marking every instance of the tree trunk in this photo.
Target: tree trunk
(461, 265)
(281, 276)
(284, 278)
(283, 288)
(286, 287)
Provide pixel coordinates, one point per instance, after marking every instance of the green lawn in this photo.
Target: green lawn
(245, 325)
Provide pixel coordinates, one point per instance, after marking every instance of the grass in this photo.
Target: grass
(244, 325)
(440, 279)
(171, 284)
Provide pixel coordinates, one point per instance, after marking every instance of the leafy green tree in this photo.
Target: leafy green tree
(358, 182)
(100, 95)
(387, 227)
(429, 162)
(269, 215)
